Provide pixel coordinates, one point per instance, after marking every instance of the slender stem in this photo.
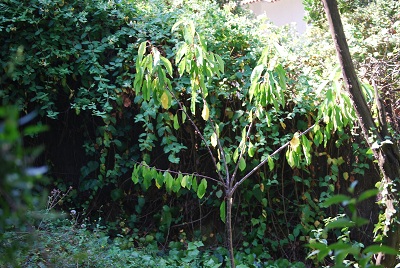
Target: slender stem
(229, 232)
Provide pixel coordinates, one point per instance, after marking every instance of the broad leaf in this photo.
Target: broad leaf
(201, 190)
(222, 211)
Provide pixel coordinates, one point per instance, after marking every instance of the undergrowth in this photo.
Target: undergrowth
(61, 242)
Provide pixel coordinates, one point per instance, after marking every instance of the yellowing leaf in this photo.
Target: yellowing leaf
(283, 125)
(346, 176)
(165, 100)
(214, 139)
(295, 142)
(206, 112)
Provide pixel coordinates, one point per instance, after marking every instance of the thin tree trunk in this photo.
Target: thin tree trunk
(388, 154)
(229, 203)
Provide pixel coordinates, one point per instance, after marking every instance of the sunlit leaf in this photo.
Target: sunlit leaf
(214, 139)
(167, 64)
(206, 112)
(141, 51)
(201, 190)
(270, 163)
(165, 100)
(295, 141)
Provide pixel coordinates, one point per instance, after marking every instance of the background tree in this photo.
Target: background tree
(377, 135)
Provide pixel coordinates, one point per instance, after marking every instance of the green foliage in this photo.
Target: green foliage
(345, 252)
(19, 182)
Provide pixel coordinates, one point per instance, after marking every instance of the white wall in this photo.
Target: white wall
(282, 12)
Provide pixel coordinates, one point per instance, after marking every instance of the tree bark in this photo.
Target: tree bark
(388, 154)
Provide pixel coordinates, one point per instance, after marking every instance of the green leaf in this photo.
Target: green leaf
(380, 248)
(159, 180)
(176, 122)
(184, 181)
(219, 193)
(367, 194)
(340, 223)
(336, 199)
(255, 75)
(251, 150)
(181, 67)
(142, 49)
(147, 177)
(169, 180)
(194, 184)
(167, 65)
(201, 190)
(176, 186)
(242, 164)
(135, 175)
(222, 211)
(270, 163)
(236, 155)
(221, 63)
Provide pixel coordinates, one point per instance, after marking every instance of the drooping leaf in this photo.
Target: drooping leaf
(184, 181)
(340, 223)
(236, 155)
(169, 180)
(167, 65)
(251, 149)
(242, 164)
(201, 190)
(165, 100)
(270, 163)
(206, 112)
(214, 141)
(367, 194)
(147, 178)
(295, 141)
(159, 180)
(222, 211)
(176, 122)
(336, 199)
(141, 51)
(381, 248)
